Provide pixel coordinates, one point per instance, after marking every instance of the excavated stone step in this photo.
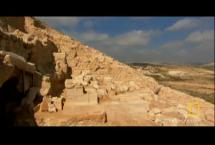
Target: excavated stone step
(83, 100)
(111, 114)
(117, 113)
(77, 97)
(73, 115)
(128, 114)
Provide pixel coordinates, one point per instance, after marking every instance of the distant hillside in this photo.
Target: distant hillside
(209, 66)
(145, 64)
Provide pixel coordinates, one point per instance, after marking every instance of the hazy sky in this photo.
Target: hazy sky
(143, 39)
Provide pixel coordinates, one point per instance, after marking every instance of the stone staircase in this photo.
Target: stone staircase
(75, 112)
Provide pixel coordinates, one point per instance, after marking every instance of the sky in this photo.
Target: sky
(181, 40)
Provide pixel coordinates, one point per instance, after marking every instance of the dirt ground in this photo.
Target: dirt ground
(197, 81)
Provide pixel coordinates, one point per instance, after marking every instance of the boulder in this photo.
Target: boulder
(69, 83)
(19, 62)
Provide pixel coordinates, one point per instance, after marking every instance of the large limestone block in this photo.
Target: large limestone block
(60, 56)
(92, 95)
(74, 92)
(83, 100)
(74, 116)
(69, 83)
(92, 99)
(79, 97)
(19, 62)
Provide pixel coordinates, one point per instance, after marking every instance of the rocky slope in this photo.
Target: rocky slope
(82, 86)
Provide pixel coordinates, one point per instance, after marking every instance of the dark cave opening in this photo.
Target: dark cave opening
(10, 99)
(11, 112)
